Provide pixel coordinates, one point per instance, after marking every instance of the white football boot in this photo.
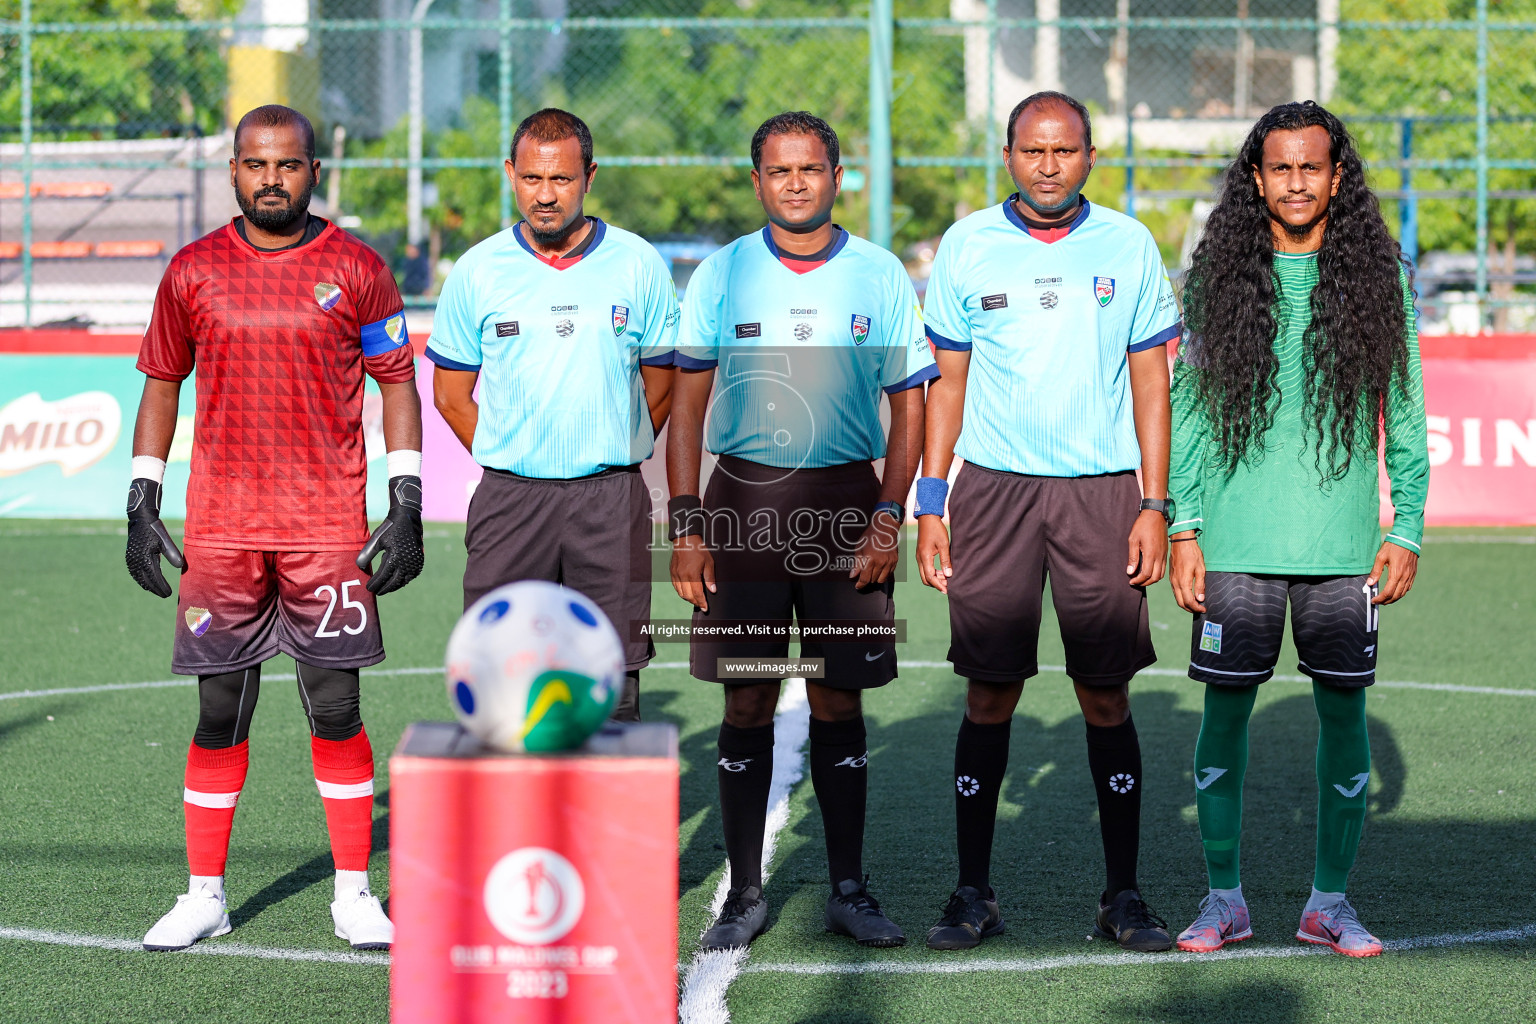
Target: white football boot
(197, 915)
(361, 922)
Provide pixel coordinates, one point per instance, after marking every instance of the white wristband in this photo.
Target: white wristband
(147, 467)
(403, 462)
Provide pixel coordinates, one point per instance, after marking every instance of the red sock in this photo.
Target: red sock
(213, 783)
(344, 773)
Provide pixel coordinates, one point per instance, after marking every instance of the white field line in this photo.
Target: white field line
(948, 965)
(192, 681)
(702, 1000)
(427, 670)
(204, 949)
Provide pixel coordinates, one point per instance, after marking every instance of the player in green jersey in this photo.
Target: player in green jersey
(1300, 354)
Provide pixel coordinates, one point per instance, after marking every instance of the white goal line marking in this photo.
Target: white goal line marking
(203, 948)
(1051, 963)
(427, 670)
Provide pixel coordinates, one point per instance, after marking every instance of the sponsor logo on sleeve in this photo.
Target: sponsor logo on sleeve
(620, 320)
(1104, 290)
(507, 330)
(327, 295)
(989, 302)
(749, 330)
(860, 329)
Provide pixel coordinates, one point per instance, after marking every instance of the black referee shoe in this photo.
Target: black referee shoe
(854, 912)
(743, 918)
(1128, 920)
(968, 918)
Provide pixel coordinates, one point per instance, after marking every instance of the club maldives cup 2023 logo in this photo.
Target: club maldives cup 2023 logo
(75, 432)
(534, 896)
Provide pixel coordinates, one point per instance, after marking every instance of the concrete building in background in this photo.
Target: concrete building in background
(1186, 87)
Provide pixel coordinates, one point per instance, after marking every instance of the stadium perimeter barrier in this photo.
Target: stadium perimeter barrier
(416, 100)
(67, 399)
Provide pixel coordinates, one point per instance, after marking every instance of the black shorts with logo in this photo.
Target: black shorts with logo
(1236, 641)
(820, 515)
(591, 534)
(1009, 533)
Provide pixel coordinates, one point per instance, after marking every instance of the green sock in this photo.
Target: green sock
(1221, 758)
(1343, 777)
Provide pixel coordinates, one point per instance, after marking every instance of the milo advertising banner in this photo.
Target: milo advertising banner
(66, 438)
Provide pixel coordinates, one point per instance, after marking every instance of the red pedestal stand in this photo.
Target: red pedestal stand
(534, 888)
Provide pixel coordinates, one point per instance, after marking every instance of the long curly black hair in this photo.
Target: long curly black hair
(1356, 346)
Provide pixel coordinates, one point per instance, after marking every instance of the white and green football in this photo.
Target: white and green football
(534, 667)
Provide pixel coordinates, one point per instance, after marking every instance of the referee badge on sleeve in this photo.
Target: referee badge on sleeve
(1104, 290)
(620, 320)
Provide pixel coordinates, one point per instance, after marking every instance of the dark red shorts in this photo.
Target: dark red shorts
(238, 608)
(1010, 532)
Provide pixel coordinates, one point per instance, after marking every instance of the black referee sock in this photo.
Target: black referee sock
(840, 776)
(981, 761)
(745, 770)
(1114, 759)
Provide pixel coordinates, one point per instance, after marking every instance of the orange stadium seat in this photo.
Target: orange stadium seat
(122, 250)
(60, 250)
(57, 189)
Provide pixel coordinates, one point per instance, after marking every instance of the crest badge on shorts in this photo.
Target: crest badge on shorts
(620, 320)
(327, 295)
(860, 328)
(1104, 289)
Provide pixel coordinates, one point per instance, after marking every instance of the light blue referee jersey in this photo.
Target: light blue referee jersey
(1048, 326)
(802, 357)
(558, 351)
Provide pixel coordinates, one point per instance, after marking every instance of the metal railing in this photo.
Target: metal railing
(919, 89)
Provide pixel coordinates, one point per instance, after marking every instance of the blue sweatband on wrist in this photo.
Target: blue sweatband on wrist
(931, 493)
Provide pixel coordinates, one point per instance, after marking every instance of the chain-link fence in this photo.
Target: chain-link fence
(114, 133)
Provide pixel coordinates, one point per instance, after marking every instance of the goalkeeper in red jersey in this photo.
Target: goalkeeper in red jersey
(281, 314)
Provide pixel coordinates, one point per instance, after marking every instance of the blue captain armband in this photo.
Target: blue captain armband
(931, 494)
(384, 336)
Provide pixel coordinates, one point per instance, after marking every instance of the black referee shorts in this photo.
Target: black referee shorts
(591, 534)
(801, 572)
(1009, 532)
(1236, 640)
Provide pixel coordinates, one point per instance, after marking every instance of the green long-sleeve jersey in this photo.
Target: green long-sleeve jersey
(1273, 514)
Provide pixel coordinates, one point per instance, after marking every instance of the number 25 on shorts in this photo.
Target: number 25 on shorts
(329, 592)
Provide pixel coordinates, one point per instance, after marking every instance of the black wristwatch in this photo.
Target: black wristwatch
(892, 509)
(1162, 506)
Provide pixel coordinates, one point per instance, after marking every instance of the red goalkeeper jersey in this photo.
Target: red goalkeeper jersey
(280, 341)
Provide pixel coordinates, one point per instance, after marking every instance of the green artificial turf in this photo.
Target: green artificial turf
(91, 842)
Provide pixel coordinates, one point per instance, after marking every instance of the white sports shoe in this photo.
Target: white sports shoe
(361, 921)
(198, 915)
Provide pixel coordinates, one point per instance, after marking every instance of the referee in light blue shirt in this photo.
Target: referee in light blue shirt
(568, 324)
(1050, 316)
(792, 337)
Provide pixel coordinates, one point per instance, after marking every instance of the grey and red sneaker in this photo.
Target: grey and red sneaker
(1338, 927)
(1218, 923)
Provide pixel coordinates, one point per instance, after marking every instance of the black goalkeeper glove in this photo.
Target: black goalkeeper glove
(399, 537)
(148, 539)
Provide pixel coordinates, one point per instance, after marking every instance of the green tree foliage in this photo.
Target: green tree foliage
(120, 84)
(1432, 73)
